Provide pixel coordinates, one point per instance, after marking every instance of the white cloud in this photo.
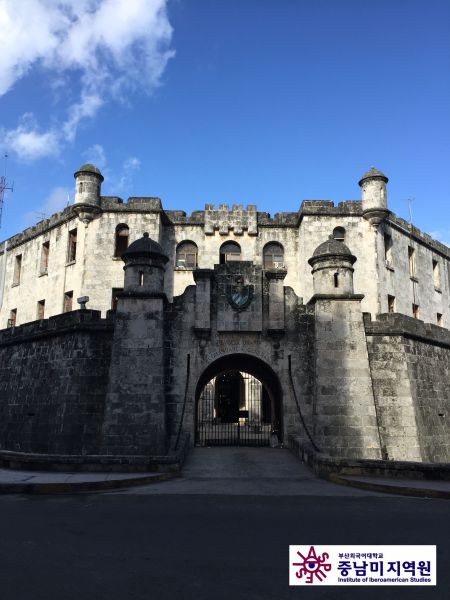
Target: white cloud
(111, 47)
(125, 180)
(28, 142)
(56, 201)
(95, 155)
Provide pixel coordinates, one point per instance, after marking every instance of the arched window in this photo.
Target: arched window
(339, 234)
(273, 255)
(121, 241)
(186, 255)
(229, 251)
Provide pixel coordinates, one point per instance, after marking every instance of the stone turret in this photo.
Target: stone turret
(88, 182)
(332, 268)
(135, 420)
(144, 267)
(343, 386)
(373, 195)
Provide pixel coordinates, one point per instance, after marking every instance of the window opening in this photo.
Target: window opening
(12, 318)
(72, 247)
(273, 256)
(339, 234)
(229, 251)
(45, 250)
(186, 255)
(68, 300)
(391, 304)
(40, 309)
(121, 240)
(412, 261)
(17, 269)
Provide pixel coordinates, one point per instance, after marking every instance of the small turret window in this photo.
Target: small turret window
(141, 277)
(229, 251)
(80, 187)
(273, 255)
(336, 280)
(121, 239)
(187, 253)
(339, 234)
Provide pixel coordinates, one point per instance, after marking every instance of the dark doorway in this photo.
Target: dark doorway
(227, 396)
(238, 407)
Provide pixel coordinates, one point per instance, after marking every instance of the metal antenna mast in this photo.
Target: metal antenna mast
(4, 186)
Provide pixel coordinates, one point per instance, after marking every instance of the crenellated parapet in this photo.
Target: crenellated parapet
(238, 219)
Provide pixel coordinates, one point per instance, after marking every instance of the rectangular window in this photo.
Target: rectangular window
(72, 248)
(40, 310)
(391, 304)
(388, 249)
(415, 311)
(12, 318)
(412, 261)
(114, 298)
(44, 257)
(439, 320)
(68, 300)
(17, 269)
(436, 274)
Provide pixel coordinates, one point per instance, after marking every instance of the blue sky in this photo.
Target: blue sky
(235, 101)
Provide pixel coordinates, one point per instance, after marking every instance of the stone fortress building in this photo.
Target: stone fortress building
(227, 326)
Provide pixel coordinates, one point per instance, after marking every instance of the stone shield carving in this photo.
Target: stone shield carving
(239, 295)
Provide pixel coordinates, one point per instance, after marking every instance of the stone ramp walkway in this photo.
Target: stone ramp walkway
(247, 472)
(225, 471)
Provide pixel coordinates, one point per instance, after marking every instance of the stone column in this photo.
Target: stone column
(134, 421)
(202, 278)
(276, 299)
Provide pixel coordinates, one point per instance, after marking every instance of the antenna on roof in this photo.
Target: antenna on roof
(4, 186)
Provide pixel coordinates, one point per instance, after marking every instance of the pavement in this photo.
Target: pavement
(220, 531)
(46, 482)
(222, 471)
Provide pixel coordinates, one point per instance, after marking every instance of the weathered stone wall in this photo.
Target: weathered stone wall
(345, 422)
(395, 279)
(53, 380)
(96, 271)
(189, 352)
(410, 365)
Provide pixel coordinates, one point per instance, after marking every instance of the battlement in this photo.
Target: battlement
(223, 219)
(388, 324)
(134, 203)
(71, 321)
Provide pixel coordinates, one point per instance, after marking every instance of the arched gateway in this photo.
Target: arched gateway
(238, 403)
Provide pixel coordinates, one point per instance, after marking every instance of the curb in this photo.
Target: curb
(83, 486)
(373, 486)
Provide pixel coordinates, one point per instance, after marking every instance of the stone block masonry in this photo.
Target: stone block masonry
(53, 381)
(410, 366)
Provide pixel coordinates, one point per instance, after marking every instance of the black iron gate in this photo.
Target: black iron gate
(234, 409)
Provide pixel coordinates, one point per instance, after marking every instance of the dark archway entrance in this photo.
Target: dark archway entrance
(238, 403)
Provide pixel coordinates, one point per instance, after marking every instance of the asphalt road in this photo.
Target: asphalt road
(181, 544)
